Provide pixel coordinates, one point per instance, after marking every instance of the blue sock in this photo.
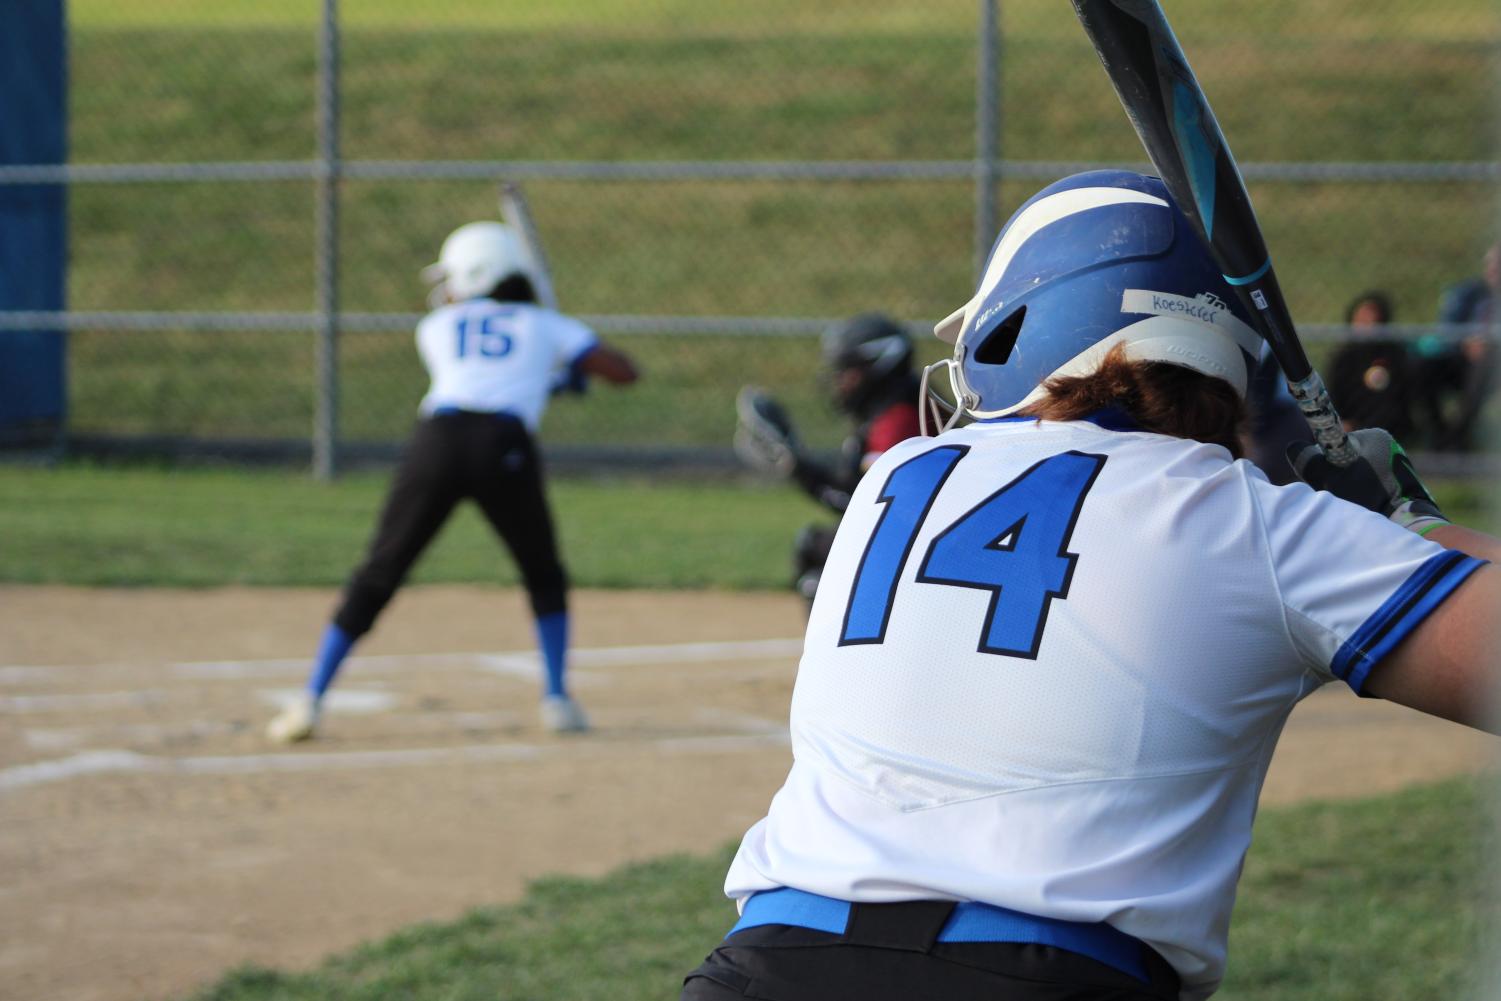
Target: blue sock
(332, 650)
(552, 636)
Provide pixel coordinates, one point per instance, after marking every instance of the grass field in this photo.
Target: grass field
(666, 81)
(141, 526)
(1382, 898)
(107, 526)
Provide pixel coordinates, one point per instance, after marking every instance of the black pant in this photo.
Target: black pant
(488, 457)
(889, 953)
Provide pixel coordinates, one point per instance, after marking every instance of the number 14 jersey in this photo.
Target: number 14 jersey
(1047, 666)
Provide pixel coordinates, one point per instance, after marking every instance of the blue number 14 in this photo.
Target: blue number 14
(1013, 544)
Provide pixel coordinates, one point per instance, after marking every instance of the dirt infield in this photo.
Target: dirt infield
(151, 839)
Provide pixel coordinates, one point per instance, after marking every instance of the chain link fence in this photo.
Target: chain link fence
(713, 182)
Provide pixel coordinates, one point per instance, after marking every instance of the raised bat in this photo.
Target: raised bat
(1172, 117)
(514, 210)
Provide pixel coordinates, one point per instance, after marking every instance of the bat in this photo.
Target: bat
(514, 210)
(1173, 119)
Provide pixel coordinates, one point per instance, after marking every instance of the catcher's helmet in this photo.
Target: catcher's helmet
(874, 349)
(475, 258)
(1094, 260)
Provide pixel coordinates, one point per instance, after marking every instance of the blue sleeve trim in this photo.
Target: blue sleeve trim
(578, 359)
(574, 379)
(1423, 591)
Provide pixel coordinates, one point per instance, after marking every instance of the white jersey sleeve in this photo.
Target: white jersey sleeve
(572, 339)
(497, 357)
(1352, 583)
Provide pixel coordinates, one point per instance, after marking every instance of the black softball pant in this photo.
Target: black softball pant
(489, 457)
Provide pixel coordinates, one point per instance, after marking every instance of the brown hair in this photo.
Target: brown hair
(1161, 398)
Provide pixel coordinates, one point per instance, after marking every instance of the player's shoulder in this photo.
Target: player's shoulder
(437, 324)
(1012, 432)
(903, 450)
(442, 313)
(450, 313)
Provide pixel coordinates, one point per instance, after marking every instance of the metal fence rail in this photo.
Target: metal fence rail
(712, 170)
(613, 324)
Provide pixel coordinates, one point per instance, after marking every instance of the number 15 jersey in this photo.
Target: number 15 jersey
(494, 356)
(1047, 666)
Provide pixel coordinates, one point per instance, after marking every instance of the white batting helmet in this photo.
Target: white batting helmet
(474, 259)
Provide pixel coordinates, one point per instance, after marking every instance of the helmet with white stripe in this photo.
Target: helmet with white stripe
(1095, 260)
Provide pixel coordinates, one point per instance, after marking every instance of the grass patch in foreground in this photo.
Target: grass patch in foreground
(1388, 897)
(1379, 898)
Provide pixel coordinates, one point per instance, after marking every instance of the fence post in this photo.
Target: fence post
(987, 131)
(326, 255)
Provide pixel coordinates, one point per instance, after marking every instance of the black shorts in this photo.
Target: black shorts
(889, 952)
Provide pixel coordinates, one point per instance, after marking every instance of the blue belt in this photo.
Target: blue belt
(970, 921)
(451, 411)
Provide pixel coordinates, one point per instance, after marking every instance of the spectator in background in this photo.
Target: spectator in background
(1368, 376)
(1472, 300)
(1456, 377)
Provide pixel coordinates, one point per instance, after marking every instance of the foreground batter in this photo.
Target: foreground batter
(1053, 650)
(494, 358)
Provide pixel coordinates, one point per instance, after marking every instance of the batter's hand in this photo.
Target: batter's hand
(1382, 479)
(764, 438)
(571, 380)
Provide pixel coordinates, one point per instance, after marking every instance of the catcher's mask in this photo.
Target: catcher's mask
(862, 357)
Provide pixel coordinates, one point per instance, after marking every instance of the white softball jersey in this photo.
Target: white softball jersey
(498, 356)
(1047, 666)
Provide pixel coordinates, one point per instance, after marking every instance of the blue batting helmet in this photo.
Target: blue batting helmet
(1094, 260)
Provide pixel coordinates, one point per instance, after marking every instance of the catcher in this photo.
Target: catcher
(867, 362)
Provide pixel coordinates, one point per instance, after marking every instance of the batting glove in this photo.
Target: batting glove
(1382, 479)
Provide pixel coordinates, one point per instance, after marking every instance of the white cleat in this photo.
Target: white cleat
(560, 714)
(296, 722)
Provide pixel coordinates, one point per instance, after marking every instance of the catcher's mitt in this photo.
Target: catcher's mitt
(764, 438)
